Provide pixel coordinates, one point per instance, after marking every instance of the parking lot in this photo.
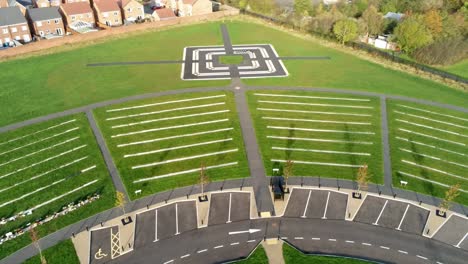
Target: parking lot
(226, 207)
(105, 245)
(392, 214)
(454, 232)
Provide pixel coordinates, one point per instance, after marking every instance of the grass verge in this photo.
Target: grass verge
(63, 252)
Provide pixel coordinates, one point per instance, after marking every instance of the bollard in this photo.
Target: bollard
(338, 188)
(420, 202)
(102, 224)
(264, 238)
(394, 195)
(380, 192)
(241, 187)
(147, 206)
(73, 234)
(165, 201)
(319, 185)
(427, 233)
(221, 188)
(202, 221)
(187, 196)
(87, 228)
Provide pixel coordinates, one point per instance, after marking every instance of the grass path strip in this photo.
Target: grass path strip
(184, 172)
(40, 140)
(317, 121)
(41, 150)
(432, 128)
(321, 130)
(322, 151)
(430, 119)
(434, 169)
(184, 158)
(166, 102)
(31, 193)
(44, 173)
(174, 137)
(170, 127)
(37, 132)
(429, 136)
(313, 97)
(311, 104)
(312, 112)
(318, 163)
(432, 112)
(430, 146)
(432, 157)
(171, 118)
(165, 111)
(42, 161)
(322, 140)
(178, 147)
(426, 180)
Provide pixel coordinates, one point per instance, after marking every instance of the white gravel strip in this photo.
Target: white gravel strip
(433, 137)
(319, 163)
(434, 169)
(312, 112)
(322, 151)
(432, 112)
(431, 128)
(321, 130)
(313, 97)
(322, 140)
(317, 121)
(432, 157)
(430, 119)
(431, 146)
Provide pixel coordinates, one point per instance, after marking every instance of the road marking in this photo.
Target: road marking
(326, 207)
(298, 238)
(250, 231)
(184, 158)
(201, 251)
(307, 205)
(323, 140)
(431, 146)
(251, 241)
(285, 238)
(432, 112)
(314, 104)
(433, 157)
(88, 169)
(367, 244)
(402, 252)
(317, 121)
(421, 257)
(322, 151)
(229, 211)
(387, 248)
(429, 136)
(164, 103)
(235, 243)
(312, 112)
(430, 119)
(403, 217)
(332, 239)
(31, 193)
(220, 246)
(424, 179)
(459, 243)
(432, 128)
(174, 137)
(156, 225)
(177, 219)
(320, 163)
(433, 169)
(313, 97)
(349, 241)
(321, 130)
(170, 261)
(316, 238)
(185, 256)
(438, 262)
(381, 211)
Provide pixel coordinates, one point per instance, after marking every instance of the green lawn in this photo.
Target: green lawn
(63, 252)
(460, 68)
(429, 145)
(342, 71)
(45, 167)
(175, 134)
(324, 134)
(293, 256)
(231, 59)
(257, 257)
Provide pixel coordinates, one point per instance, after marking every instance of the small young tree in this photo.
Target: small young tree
(412, 33)
(362, 178)
(373, 21)
(120, 201)
(345, 30)
(204, 179)
(288, 171)
(450, 195)
(35, 239)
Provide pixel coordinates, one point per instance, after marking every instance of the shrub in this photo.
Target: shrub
(443, 52)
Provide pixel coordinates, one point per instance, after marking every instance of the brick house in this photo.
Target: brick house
(78, 15)
(46, 3)
(107, 12)
(75, 1)
(13, 26)
(46, 21)
(190, 7)
(159, 14)
(131, 10)
(12, 3)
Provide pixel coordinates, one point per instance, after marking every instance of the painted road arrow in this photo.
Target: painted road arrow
(250, 231)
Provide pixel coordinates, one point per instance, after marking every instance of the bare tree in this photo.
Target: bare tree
(120, 200)
(450, 195)
(288, 171)
(35, 239)
(204, 179)
(362, 178)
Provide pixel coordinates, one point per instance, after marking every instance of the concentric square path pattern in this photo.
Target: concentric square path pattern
(260, 61)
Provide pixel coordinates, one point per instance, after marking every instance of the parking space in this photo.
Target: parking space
(454, 232)
(229, 207)
(312, 203)
(392, 214)
(166, 221)
(105, 245)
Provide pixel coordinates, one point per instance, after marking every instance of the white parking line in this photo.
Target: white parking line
(432, 112)
(312, 104)
(235, 243)
(174, 137)
(312, 112)
(37, 132)
(316, 238)
(40, 140)
(382, 247)
(156, 225)
(438, 262)
(317, 121)
(319, 163)
(323, 151)
(177, 147)
(461, 240)
(434, 169)
(322, 140)
(431, 128)
(184, 172)
(403, 217)
(332, 239)
(220, 246)
(251, 241)
(432, 157)
(298, 238)
(167, 102)
(326, 207)
(201, 251)
(307, 204)
(421, 257)
(321, 130)
(430, 119)
(429, 136)
(177, 218)
(431, 146)
(349, 241)
(31, 193)
(313, 97)
(170, 261)
(229, 211)
(366, 244)
(42, 161)
(380, 214)
(403, 252)
(426, 180)
(170, 127)
(185, 158)
(185, 256)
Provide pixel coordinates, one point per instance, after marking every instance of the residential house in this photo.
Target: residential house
(12, 3)
(78, 16)
(132, 10)
(13, 26)
(107, 12)
(190, 7)
(395, 16)
(159, 14)
(46, 22)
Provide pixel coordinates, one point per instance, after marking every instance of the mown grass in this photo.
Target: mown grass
(257, 257)
(440, 156)
(223, 112)
(292, 130)
(460, 68)
(292, 256)
(17, 179)
(64, 252)
(343, 71)
(231, 59)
